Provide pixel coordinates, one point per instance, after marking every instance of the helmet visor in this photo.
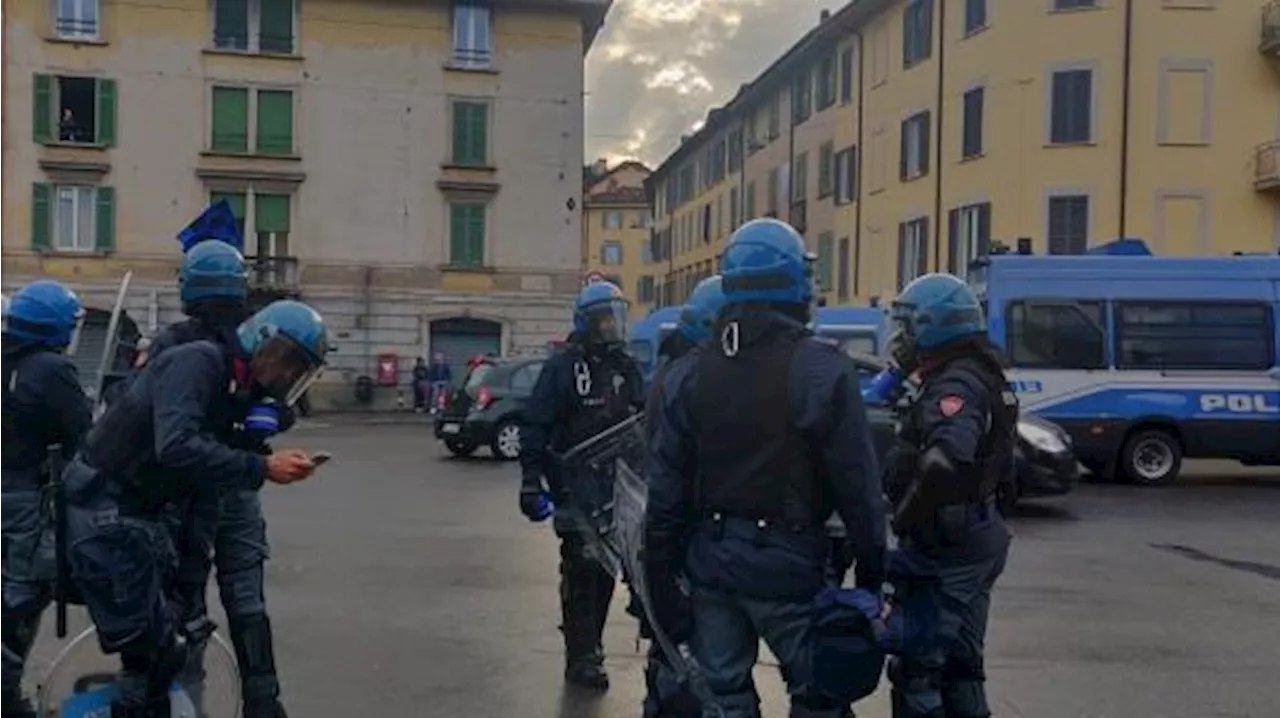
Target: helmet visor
(284, 369)
(607, 321)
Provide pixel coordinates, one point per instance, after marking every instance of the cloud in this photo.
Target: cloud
(659, 65)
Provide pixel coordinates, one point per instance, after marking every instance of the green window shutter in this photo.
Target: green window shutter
(470, 133)
(231, 24)
(230, 119)
(475, 234)
(107, 113)
(276, 26)
(271, 213)
(42, 109)
(825, 250)
(466, 235)
(104, 238)
(275, 122)
(237, 202)
(41, 214)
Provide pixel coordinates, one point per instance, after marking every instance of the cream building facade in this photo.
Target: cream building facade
(615, 232)
(411, 169)
(971, 122)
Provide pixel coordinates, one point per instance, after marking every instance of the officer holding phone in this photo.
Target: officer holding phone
(168, 432)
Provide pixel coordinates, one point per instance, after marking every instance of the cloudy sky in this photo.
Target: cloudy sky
(659, 65)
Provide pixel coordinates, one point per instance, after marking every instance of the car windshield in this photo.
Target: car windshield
(478, 376)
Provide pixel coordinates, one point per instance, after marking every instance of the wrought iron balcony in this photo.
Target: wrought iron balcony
(273, 273)
(1270, 44)
(1266, 167)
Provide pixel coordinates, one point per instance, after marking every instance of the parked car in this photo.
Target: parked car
(1046, 461)
(486, 410)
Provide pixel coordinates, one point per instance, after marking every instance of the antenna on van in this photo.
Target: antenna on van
(1024, 246)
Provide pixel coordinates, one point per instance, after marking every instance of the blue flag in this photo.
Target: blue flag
(216, 222)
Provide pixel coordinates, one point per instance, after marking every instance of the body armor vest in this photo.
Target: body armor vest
(752, 463)
(603, 393)
(995, 453)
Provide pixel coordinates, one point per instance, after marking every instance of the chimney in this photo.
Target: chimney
(601, 166)
(684, 139)
(824, 15)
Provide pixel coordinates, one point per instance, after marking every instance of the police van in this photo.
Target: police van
(1144, 360)
(856, 330)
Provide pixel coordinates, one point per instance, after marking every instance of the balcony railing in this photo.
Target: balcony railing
(278, 273)
(1270, 44)
(1266, 166)
(73, 28)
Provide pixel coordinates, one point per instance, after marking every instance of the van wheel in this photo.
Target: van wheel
(1151, 457)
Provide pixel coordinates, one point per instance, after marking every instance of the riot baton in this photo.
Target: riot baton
(62, 576)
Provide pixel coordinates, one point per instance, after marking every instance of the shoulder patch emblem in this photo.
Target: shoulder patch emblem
(950, 405)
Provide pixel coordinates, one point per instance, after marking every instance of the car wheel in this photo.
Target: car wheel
(461, 449)
(1151, 457)
(506, 441)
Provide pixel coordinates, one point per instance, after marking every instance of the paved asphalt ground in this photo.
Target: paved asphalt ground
(404, 583)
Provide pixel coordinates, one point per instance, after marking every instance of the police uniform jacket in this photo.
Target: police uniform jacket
(785, 400)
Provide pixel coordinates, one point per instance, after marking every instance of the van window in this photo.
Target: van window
(641, 351)
(859, 344)
(1194, 335)
(1057, 335)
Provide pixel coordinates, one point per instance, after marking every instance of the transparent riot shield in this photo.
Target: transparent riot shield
(81, 683)
(112, 340)
(608, 494)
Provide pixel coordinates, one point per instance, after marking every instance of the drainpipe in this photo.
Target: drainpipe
(857, 208)
(1124, 117)
(938, 143)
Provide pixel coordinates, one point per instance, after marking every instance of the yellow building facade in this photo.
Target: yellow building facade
(980, 121)
(615, 232)
(410, 169)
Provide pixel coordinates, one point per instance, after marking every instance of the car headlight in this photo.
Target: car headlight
(1041, 438)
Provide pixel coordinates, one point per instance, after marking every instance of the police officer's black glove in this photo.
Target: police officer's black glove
(534, 502)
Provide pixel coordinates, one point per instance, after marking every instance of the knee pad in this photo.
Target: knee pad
(243, 592)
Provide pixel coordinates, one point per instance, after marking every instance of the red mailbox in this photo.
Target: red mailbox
(388, 369)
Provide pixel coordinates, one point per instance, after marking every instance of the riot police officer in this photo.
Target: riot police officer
(758, 437)
(959, 440)
(163, 436)
(44, 404)
(228, 522)
(583, 389)
(665, 696)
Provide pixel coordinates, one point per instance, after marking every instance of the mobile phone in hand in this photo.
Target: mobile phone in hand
(320, 457)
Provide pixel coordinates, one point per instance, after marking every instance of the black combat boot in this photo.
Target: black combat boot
(582, 585)
(255, 655)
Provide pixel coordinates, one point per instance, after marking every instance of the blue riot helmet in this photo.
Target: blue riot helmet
(44, 312)
(287, 344)
(700, 311)
(932, 311)
(600, 314)
(766, 261)
(212, 270)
